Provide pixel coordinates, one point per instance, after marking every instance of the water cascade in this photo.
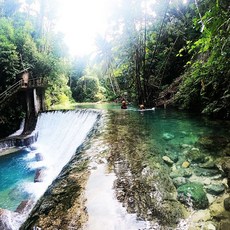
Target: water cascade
(59, 135)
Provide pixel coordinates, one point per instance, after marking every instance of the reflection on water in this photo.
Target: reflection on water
(155, 153)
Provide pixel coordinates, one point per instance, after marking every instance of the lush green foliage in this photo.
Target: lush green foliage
(206, 84)
(25, 43)
(154, 43)
(88, 89)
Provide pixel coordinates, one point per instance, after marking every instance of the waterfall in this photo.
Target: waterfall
(60, 133)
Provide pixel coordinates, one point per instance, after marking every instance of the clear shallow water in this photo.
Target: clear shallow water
(14, 171)
(139, 139)
(153, 133)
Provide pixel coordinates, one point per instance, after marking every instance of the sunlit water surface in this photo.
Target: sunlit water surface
(160, 129)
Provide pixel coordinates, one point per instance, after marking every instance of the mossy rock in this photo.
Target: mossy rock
(193, 194)
(194, 155)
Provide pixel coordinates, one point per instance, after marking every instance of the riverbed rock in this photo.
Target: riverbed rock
(214, 144)
(168, 136)
(227, 204)
(172, 155)
(209, 164)
(225, 165)
(226, 150)
(194, 155)
(200, 215)
(181, 172)
(178, 181)
(194, 193)
(185, 164)
(206, 172)
(38, 157)
(167, 160)
(215, 189)
(224, 225)
(217, 209)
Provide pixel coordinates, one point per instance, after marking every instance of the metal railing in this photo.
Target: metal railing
(32, 83)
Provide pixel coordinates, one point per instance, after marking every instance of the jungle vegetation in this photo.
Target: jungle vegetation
(155, 52)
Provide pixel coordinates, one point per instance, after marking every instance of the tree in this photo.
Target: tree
(206, 81)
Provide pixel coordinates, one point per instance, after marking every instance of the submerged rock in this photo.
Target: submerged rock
(210, 164)
(167, 160)
(194, 193)
(213, 143)
(182, 172)
(185, 164)
(206, 172)
(227, 204)
(194, 155)
(178, 181)
(168, 136)
(38, 157)
(215, 189)
(226, 151)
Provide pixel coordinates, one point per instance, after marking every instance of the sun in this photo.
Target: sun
(80, 21)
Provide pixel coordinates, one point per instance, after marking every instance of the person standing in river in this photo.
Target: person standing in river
(123, 104)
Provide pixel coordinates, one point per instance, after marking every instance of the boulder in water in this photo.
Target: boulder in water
(39, 174)
(194, 155)
(193, 194)
(25, 204)
(206, 172)
(168, 136)
(178, 181)
(227, 204)
(215, 189)
(39, 157)
(167, 160)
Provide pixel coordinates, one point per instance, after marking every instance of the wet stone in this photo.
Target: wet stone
(167, 160)
(226, 151)
(213, 142)
(39, 157)
(224, 225)
(194, 155)
(193, 193)
(178, 181)
(168, 136)
(227, 204)
(181, 173)
(206, 172)
(215, 189)
(185, 164)
(172, 155)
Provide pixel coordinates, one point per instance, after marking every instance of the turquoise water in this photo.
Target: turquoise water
(153, 133)
(169, 126)
(171, 129)
(13, 172)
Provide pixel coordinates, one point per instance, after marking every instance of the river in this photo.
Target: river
(153, 169)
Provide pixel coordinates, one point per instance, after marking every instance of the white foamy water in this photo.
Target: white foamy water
(59, 135)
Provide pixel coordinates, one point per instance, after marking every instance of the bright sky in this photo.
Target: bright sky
(80, 21)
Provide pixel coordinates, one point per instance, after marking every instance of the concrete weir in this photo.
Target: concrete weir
(18, 141)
